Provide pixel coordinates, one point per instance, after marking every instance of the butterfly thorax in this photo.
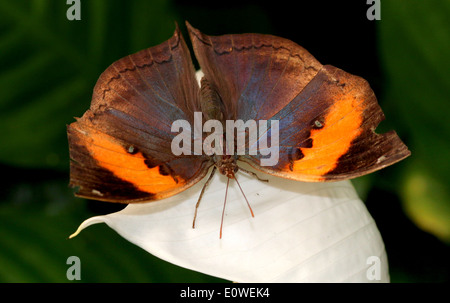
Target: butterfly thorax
(210, 102)
(212, 108)
(226, 164)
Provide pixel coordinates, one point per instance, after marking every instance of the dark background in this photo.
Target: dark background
(49, 66)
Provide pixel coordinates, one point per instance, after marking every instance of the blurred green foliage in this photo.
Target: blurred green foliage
(415, 52)
(49, 65)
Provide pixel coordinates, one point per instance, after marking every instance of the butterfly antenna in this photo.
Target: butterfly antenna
(249, 207)
(223, 211)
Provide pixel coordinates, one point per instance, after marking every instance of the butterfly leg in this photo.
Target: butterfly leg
(253, 174)
(201, 194)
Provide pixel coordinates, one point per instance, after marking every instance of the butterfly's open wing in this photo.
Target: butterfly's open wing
(121, 147)
(326, 116)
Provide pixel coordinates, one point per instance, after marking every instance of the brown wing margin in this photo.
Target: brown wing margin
(369, 151)
(105, 168)
(92, 181)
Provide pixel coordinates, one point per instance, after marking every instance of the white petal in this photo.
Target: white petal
(301, 232)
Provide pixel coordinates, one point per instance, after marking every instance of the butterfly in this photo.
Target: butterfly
(121, 149)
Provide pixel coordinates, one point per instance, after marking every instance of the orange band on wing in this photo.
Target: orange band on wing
(341, 127)
(128, 167)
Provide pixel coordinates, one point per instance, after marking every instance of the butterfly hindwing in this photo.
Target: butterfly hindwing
(329, 134)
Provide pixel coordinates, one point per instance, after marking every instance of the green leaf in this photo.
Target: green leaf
(414, 45)
(50, 66)
(426, 201)
(34, 245)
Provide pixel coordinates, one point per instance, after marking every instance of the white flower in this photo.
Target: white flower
(301, 232)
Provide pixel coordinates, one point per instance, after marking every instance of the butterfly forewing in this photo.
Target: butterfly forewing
(121, 147)
(326, 116)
